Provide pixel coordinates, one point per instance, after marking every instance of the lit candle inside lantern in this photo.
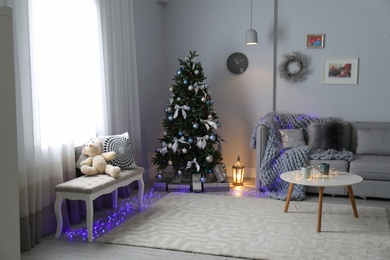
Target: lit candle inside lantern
(238, 171)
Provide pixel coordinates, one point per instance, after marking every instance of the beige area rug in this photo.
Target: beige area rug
(256, 228)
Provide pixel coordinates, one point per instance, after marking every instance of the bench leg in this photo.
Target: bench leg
(89, 204)
(141, 187)
(114, 198)
(58, 213)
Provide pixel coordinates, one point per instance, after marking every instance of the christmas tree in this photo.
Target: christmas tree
(190, 142)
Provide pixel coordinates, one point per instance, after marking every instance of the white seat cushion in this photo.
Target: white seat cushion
(91, 184)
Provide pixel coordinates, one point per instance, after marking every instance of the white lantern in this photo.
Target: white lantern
(238, 173)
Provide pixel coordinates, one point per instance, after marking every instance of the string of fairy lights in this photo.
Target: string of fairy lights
(128, 208)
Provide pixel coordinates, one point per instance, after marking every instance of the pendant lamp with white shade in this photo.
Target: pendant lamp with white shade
(251, 35)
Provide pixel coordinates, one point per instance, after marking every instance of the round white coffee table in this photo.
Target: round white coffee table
(322, 181)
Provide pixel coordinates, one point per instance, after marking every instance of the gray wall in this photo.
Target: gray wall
(151, 64)
(353, 28)
(216, 28)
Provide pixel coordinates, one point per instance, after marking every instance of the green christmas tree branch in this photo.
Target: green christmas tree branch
(190, 142)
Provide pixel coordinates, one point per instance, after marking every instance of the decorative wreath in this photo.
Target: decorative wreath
(301, 60)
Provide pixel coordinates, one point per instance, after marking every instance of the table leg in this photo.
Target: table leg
(290, 190)
(320, 195)
(352, 199)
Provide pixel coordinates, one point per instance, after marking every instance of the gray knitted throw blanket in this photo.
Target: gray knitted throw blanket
(276, 160)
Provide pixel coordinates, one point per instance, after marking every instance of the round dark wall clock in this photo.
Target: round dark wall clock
(237, 63)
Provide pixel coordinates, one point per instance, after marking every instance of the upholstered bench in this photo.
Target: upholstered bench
(88, 188)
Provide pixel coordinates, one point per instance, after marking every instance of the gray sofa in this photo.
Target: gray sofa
(370, 144)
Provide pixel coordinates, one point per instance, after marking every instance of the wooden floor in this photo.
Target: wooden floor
(63, 248)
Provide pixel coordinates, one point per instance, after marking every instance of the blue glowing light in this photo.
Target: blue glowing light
(128, 207)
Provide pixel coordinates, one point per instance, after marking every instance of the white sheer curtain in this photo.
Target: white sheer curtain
(67, 84)
(117, 24)
(62, 90)
(67, 69)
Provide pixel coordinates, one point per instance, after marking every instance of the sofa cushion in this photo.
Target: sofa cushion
(292, 138)
(123, 148)
(373, 141)
(324, 136)
(345, 135)
(371, 167)
(365, 125)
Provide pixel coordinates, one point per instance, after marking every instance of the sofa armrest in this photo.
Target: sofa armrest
(261, 144)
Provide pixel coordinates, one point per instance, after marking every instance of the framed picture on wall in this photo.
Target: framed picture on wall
(340, 71)
(315, 41)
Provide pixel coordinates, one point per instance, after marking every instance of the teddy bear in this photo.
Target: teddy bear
(97, 160)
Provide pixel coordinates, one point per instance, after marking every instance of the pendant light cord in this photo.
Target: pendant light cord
(251, 12)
